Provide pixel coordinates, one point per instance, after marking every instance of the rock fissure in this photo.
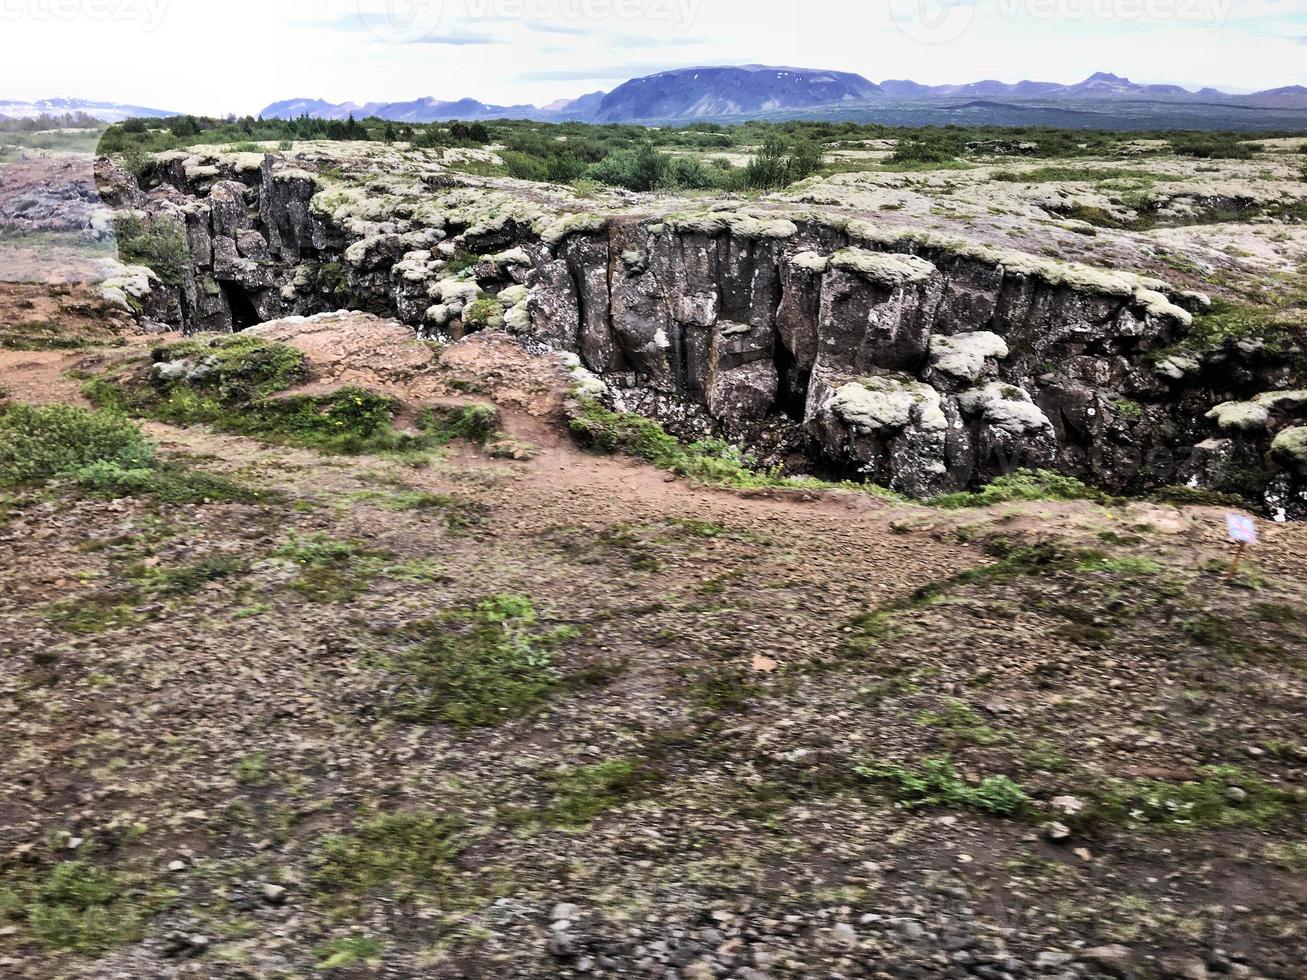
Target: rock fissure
(816, 339)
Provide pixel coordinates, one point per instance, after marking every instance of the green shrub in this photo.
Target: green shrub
(37, 443)
(922, 151)
(154, 241)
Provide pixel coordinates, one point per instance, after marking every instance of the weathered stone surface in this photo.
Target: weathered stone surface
(742, 321)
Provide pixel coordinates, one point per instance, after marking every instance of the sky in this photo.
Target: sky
(240, 55)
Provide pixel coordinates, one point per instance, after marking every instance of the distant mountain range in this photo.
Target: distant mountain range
(731, 93)
(695, 93)
(110, 112)
(751, 90)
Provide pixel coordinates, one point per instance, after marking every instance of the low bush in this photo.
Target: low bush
(41, 442)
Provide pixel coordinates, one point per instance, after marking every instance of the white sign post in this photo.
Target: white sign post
(1243, 531)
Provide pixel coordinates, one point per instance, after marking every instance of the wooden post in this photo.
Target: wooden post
(1234, 565)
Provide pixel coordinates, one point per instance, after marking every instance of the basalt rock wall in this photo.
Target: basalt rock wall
(924, 366)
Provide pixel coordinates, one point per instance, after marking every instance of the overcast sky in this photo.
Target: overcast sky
(239, 55)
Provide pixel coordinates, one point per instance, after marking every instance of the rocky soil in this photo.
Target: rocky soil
(776, 733)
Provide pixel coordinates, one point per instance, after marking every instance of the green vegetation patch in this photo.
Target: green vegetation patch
(237, 367)
(38, 443)
(1227, 323)
(330, 570)
(237, 384)
(347, 951)
(585, 792)
(101, 452)
(478, 665)
(156, 241)
(712, 461)
(399, 854)
(36, 335)
(960, 724)
(472, 423)
(1024, 485)
(872, 628)
(936, 784)
(1047, 175)
(79, 907)
(1224, 797)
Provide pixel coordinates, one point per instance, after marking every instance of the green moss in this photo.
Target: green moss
(79, 907)
(473, 423)
(936, 783)
(330, 570)
(397, 855)
(1219, 635)
(870, 629)
(483, 313)
(720, 689)
(1205, 803)
(478, 665)
(238, 367)
(1226, 323)
(348, 951)
(33, 335)
(585, 792)
(251, 770)
(459, 513)
(960, 724)
(1024, 485)
(1127, 565)
(185, 579)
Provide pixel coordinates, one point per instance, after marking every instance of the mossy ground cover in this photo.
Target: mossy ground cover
(78, 906)
(479, 665)
(104, 454)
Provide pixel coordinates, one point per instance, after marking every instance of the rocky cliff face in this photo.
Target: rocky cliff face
(925, 365)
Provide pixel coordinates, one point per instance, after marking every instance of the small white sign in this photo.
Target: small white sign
(1243, 528)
